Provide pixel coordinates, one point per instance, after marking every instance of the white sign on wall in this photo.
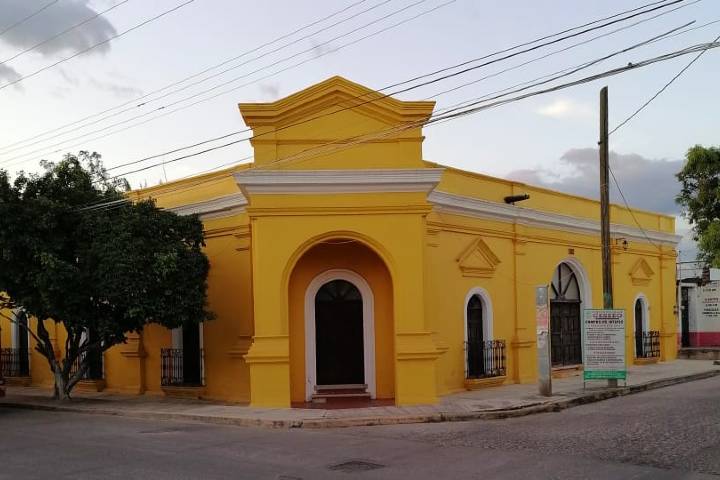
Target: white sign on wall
(604, 345)
(709, 307)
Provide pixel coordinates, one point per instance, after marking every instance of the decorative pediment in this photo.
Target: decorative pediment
(641, 273)
(477, 260)
(336, 92)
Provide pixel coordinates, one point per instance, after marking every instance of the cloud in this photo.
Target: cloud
(563, 108)
(8, 74)
(52, 21)
(647, 184)
(119, 90)
(271, 90)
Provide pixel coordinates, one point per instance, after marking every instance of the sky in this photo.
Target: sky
(549, 140)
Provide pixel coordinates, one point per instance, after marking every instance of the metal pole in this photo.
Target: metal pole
(605, 207)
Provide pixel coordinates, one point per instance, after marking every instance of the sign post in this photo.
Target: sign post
(604, 345)
(542, 320)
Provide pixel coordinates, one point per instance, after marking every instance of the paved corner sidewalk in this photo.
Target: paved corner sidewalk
(490, 403)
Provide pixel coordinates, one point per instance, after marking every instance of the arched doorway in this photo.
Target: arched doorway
(339, 335)
(565, 317)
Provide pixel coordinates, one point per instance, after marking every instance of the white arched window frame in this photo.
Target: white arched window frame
(645, 312)
(583, 282)
(368, 327)
(487, 316)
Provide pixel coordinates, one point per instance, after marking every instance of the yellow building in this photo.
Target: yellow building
(343, 263)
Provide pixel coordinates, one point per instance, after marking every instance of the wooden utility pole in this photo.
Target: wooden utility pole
(605, 208)
(605, 201)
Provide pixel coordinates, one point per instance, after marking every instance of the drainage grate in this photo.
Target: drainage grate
(355, 466)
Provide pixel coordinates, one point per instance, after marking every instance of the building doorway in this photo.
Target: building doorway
(339, 335)
(565, 317)
(475, 338)
(685, 317)
(339, 345)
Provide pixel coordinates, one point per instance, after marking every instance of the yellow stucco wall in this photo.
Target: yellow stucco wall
(264, 254)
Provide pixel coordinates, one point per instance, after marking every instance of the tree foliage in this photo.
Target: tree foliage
(75, 251)
(700, 199)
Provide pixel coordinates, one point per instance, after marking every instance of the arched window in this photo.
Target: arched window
(640, 326)
(475, 337)
(565, 308)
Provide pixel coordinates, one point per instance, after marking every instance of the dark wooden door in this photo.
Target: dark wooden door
(339, 347)
(566, 341)
(192, 374)
(685, 316)
(94, 358)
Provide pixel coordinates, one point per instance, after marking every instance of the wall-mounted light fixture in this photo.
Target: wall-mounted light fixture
(516, 198)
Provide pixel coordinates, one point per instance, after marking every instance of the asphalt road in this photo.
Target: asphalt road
(671, 433)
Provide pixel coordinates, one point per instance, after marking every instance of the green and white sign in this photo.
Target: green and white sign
(604, 345)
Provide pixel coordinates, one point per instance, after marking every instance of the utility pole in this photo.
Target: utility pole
(605, 208)
(605, 200)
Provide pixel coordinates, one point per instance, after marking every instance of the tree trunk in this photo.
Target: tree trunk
(60, 391)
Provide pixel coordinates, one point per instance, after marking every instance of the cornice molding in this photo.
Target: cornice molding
(338, 181)
(218, 207)
(474, 207)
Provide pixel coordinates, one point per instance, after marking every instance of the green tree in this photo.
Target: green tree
(700, 199)
(75, 251)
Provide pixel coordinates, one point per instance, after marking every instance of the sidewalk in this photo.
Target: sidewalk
(490, 403)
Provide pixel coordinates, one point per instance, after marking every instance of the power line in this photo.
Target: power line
(8, 149)
(659, 92)
(446, 69)
(185, 99)
(452, 114)
(641, 108)
(103, 42)
(582, 66)
(25, 19)
(69, 29)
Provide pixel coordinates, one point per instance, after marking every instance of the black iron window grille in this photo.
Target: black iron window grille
(15, 362)
(485, 359)
(178, 369)
(95, 365)
(647, 344)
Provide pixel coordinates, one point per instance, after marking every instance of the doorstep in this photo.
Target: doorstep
(646, 361)
(478, 383)
(184, 391)
(18, 381)
(564, 372)
(97, 385)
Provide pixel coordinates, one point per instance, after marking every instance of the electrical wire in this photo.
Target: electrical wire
(60, 34)
(103, 42)
(171, 104)
(7, 149)
(634, 13)
(635, 113)
(582, 66)
(450, 114)
(25, 19)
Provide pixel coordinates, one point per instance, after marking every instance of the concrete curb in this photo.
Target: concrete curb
(545, 407)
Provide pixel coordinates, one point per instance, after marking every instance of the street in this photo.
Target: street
(668, 433)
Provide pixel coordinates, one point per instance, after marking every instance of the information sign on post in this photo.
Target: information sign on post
(604, 345)
(542, 320)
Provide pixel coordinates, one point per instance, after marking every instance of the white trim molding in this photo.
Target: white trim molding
(475, 207)
(218, 207)
(368, 327)
(338, 181)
